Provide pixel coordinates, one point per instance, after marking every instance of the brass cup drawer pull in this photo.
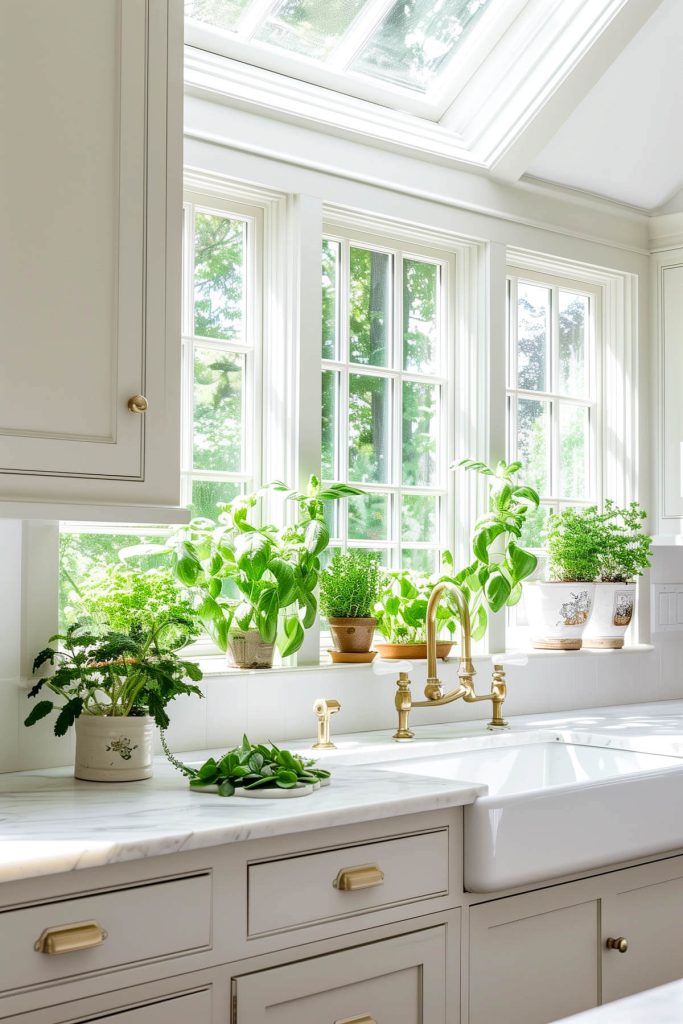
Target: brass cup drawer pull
(365, 876)
(620, 944)
(70, 938)
(364, 1018)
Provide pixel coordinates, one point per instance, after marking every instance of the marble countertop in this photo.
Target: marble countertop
(51, 822)
(662, 1005)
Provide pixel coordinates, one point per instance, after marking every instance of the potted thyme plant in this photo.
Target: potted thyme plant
(624, 555)
(253, 585)
(560, 607)
(115, 687)
(349, 588)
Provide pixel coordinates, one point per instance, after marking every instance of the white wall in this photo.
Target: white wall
(278, 705)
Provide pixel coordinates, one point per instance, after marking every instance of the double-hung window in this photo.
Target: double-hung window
(552, 392)
(387, 406)
(221, 353)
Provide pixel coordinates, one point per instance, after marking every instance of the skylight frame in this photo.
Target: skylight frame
(430, 105)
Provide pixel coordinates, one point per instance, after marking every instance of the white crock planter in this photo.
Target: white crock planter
(612, 614)
(113, 749)
(558, 613)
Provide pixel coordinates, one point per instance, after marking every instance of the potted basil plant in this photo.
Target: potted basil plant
(254, 585)
(624, 555)
(349, 588)
(114, 687)
(401, 611)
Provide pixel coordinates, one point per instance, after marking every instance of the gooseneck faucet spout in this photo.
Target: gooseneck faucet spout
(434, 694)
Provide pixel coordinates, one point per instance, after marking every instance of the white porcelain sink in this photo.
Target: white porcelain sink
(557, 808)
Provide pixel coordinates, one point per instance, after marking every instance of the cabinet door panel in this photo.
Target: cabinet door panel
(530, 962)
(86, 253)
(399, 980)
(181, 1010)
(651, 919)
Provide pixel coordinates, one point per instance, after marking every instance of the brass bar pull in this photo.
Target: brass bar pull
(365, 876)
(69, 938)
(138, 403)
(620, 944)
(364, 1018)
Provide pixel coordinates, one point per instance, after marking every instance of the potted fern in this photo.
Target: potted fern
(560, 607)
(114, 687)
(624, 555)
(349, 588)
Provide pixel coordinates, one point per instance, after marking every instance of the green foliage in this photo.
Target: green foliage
(573, 543)
(349, 587)
(118, 598)
(401, 609)
(112, 673)
(248, 576)
(624, 546)
(251, 766)
(493, 580)
(588, 544)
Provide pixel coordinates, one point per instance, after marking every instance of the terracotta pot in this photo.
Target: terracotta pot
(114, 749)
(247, 650)
(351, 657)
(558, 613)
(352, 636)
(413, 652)
(612, 614)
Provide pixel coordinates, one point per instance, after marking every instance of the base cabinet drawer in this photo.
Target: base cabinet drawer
(190, 1009)
(77, 937)
(395, 981)
(347, 881)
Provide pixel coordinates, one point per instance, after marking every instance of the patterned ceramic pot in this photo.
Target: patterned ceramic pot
(113, 749)
(612, 614)
(558, 613)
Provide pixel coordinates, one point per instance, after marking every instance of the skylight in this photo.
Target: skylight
(375, 49)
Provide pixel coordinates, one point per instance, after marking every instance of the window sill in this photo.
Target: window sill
(215, 665)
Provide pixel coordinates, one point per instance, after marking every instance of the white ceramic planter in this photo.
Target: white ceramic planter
(246, 649)
(558, 613)
(612, 614)
(113, 749)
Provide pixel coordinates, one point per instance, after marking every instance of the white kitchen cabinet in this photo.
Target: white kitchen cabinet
(400, 980)
(533, 958)
(647, 912)
(90, 203)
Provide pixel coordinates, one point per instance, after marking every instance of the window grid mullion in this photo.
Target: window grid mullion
(397, 432)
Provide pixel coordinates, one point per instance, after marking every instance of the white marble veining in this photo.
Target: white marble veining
(663, 1005)
(50, 822)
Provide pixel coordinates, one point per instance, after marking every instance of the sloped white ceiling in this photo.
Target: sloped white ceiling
(625, 139)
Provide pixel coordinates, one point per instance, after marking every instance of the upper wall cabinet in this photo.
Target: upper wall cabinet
(90, 208)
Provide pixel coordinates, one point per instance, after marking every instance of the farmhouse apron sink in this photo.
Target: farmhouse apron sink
(556, 808)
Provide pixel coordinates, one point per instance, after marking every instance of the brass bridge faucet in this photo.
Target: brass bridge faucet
(435, 697)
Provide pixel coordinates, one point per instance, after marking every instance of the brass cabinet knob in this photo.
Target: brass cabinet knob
(365, 876)
(138, 403)
(70, 938)
(364, 1018)
(620, 944)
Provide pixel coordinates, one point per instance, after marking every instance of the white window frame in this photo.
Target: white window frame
(553, 499)
(251, 347)
(443, 488)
